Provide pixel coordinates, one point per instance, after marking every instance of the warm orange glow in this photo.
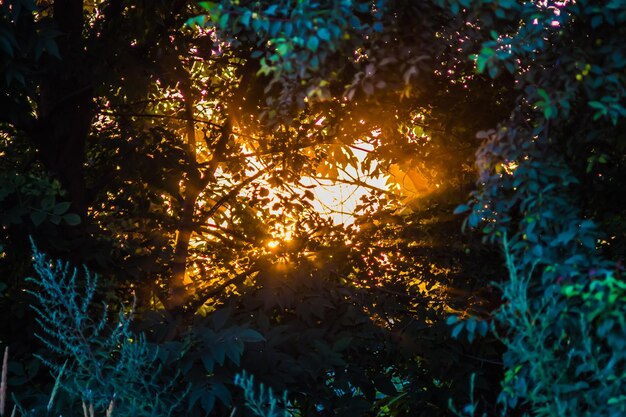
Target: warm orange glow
(339, 191)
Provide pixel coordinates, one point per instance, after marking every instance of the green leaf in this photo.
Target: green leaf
(38, 217)
(282, 49)
(597, 105)
(47, 203)
(61, 207)
(224, 21)
(543, 94)
(72, 219)
(208, 5)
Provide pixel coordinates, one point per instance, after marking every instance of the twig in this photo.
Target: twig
(161, 116)
(203, 298)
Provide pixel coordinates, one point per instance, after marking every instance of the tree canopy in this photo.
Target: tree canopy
(186, 153)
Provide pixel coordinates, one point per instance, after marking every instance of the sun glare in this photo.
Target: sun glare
(338, 196)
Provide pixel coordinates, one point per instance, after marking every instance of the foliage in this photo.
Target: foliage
(302, 32)
(149, 128)
(178, 148)
(535, 174)
(106, 367)
(264, 403)
(564, 125)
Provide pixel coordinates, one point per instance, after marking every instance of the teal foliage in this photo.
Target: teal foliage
(302, 36)
(560, 300)
(104, 366)
(262, 401)
(470, 409)
(203, 359)
(340, 330)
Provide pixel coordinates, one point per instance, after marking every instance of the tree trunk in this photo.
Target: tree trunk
(65, 107)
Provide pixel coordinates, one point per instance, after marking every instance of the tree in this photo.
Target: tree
(167, 145)
(561, 67)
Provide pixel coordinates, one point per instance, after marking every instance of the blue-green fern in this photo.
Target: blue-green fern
(263, 402)
(101, 366)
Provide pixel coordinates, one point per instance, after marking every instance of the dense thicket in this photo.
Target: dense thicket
(173, 148)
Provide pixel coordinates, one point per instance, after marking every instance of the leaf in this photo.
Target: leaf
(282, 49)
(543, 94)
(596, 21)
(483, 328)
(51, 47)
(457, 330)
(368, 88)
(218, 351)
(224, 21)
(208, 362)
(461, 209)
(245, 19)
(72, 219)
(251, 336)
(471, 325)
(323, 34)
(5, 46)
(208, 402)
(47, 203)
(61, 208)
(221, 392)
(234, 352)
(342, 344)
(275, 27)
(312, 43)
(271, 11)
(288, 29)
(38, 217)
(208, 5)
(481, 61)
